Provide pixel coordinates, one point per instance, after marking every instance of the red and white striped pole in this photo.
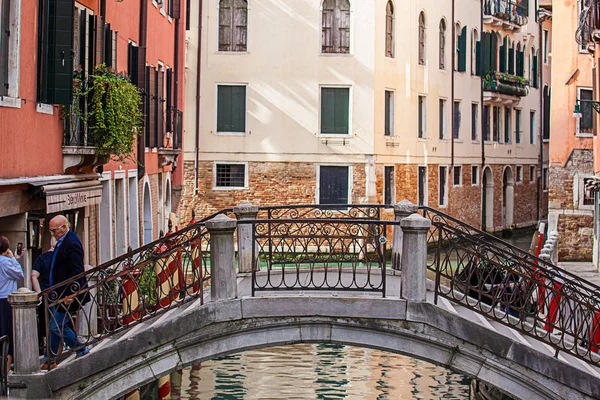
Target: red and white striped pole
(133, 395)
(164, 387)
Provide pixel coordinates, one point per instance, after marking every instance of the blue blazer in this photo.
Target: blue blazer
(68, 263)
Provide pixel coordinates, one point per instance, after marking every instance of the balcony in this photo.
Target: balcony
(505, 13)
(78, 148)
(588, 30)
(172, 139)
(504, 88)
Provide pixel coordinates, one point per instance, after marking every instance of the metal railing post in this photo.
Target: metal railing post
(223, 281)
(245, 211)
(401, 210)
(414, 257)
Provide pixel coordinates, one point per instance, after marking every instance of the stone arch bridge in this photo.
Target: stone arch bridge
(399, 279)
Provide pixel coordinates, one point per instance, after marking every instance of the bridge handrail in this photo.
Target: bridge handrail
(324, 211)
(537, 301)
(437, 216)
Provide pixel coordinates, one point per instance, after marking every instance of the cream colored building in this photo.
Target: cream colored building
(364, 102)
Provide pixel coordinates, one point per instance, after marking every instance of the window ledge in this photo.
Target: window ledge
(44, 108)
(546, 140)
(231, 133)
(474, 184)
(584, 135)
(422, 139)
(337, 54)
(155, 3)
(170, 19)
(443, 140)
(519, 183)
(10, 102)
(154, 150)
(390, 58)
(458, 141)
(163, 12)
(232, 52)
(224, 188)
(457, 186)
(475, 141)
(335, 135)
(488, 142)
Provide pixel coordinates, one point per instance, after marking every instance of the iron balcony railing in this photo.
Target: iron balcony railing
(507, 10)
(506, 84)
(589, 21)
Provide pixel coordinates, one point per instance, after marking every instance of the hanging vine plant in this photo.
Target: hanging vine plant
(108, 106)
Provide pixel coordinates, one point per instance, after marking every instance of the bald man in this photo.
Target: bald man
(66, 263)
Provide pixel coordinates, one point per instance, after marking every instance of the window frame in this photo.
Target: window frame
(532, 126)
(222, 188)
(579, 191)
(425, 187)
(475, 168)
(389, 109)
(474, 40)
(422, 117)
(487, 124)
(546, 42)
(519, 175)
(439, 185)
(475, 122)
(507, 125)
(246, 51)
(350, 110)
(216, 123)
(456, 120)
(545, 180)
(531, 173)
(350, 32)
(443, 118)
(422, 39)
(443, 29)
(391, 36)
(12, 98)
(518, 124)
(460, 177)
(578, 131)
(393, 184)
(318, 183)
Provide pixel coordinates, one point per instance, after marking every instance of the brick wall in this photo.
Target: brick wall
(560, 194)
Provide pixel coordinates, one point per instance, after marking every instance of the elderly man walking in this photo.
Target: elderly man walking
(67, 262)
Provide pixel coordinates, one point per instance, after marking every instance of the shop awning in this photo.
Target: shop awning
(69, 195)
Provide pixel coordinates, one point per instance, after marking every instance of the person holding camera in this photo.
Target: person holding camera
(10, 273)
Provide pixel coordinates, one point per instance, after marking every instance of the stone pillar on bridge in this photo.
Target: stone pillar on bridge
(414, 257)
(401, 210)
(223, 280)
(245, 211)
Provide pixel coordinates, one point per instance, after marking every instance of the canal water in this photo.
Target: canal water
(323, 371)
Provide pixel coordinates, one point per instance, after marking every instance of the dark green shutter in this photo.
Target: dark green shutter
(342, 99)
(462, 50)
(59, 62)
(503, 50)
(520, 59)
(511, 61)
(478, 58)
(534, 72)
(231, 109)
(486, 53)
(169, 100)
(224, 116)
(334, 110)
(327, 110)
(493, 53)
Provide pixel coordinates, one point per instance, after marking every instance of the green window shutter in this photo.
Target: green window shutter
(224, 109)
(462, 50)
(511, 61)
(493, 53)
(238, 109)
(59, 61)
(534, 72)
(503, 49)
(486, 53)
(520, 59)
(478, 58)
(335, 110)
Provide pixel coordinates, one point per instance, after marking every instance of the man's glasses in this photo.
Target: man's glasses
(55, 229)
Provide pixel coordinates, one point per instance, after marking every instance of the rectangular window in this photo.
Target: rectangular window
(421, 117)
(519, 174)
(531, 174)
(442, 189)
(422, 186)
(497, 123)
(442, 118)
(486, 123)
(457, 176)
(4, 45)
(230, 176)
(546, 45)
(474, 175)
(388, 185)
(507, 125)
(333, 184)
(545, 178)
(456, 130)
(335, 111)
(532, 127)
(389, 113)
(231, 108)
(474, 121)
(587, 196)
(517, 126)
(586, 122)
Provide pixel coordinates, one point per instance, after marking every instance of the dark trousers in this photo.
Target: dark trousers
(6, 323)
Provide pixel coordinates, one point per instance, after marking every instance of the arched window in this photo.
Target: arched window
(442, 44)
(474, 51)
(456, 40)
(233, 25)
(389, 29)
(422, 38)
(336, 27)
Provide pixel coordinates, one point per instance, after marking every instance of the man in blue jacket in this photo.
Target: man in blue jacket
(66, 263)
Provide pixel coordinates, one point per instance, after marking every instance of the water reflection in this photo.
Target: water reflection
(318, 371)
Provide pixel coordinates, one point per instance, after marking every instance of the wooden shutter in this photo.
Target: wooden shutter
(147, 101)
(485, 53)
(478, 58)
(175, 10)
(342, 102)
(99, 42)
(523, 8)
(240, 24)
(160, 113)
(462, 50)
(327, 110)
(225, 25)
(83, 27)
(493, 54)
(231, 109)
(108, 46)
(343, 25)
(238, 108)
(132, 63)
(335, 110)
(511, 60)
(152, 106)
(169, 99)
(442, 54)
(333, 185)
(389, 30)
(327, 26)
(503, 49)
(421, 39)
(534, 71)
(59, 63)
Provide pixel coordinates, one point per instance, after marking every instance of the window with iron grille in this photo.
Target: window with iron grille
(335, 36)
(389, 29)
(422, 38)
(233, 25)
(230, 175)
(333, 184)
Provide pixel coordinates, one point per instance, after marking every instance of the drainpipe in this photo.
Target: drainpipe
(197, 110)
(452, 92)
(176, 79)
(143, 30)
(542, 114)
(482, 122)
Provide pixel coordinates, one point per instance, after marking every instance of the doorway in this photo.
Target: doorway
(487, 203)
(147, 214)
(508, 198)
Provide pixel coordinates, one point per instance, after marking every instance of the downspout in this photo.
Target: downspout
(143, 30)
(176, 81)
(482, 122)
(452, 92)
(197, 110)
(542, 116)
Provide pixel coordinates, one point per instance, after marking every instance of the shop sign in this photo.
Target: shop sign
(69, 201)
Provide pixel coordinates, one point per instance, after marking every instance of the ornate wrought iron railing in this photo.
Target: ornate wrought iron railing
(4, 365)
(513, 287)
(325, 211)
(320, 254)
(507, 10)
(128, 290)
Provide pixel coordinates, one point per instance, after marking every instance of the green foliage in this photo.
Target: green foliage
(109, 107)
(504, 77)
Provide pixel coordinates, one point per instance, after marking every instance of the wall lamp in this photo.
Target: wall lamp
(577, 112)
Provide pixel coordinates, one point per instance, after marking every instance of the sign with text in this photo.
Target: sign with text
(69, 201)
